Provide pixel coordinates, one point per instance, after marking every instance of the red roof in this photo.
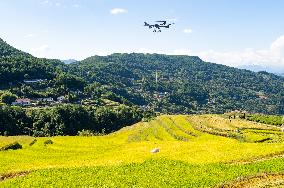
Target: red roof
(23, 100)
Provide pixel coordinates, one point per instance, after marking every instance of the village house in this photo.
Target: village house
(32, 81)
(282, 128)
(61, 99)
(49, 99)
(22, 102)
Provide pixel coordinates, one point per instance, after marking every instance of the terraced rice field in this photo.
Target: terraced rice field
(195, 151)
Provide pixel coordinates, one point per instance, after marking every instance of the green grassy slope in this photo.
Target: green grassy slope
(195, 151)
(151, 173)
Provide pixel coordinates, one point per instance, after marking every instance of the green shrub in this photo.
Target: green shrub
(33, 142)
(8, 98)
(13, 146)
(91, 133)
(86, 133)
(266, 119)
(47, 142)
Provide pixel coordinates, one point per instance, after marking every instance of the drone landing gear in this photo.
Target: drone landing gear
(157, 31)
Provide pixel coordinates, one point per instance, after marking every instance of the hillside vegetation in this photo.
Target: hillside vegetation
(185, 84)
(67, 119)
(17, 66)
(195, 151)
(41, 82)
(267, 119)
(163, 83)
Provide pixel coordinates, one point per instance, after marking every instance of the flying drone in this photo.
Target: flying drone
(157, 27)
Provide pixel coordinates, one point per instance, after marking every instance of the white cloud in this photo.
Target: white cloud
(41, 51)
(51, 3)
(277, 47)
(147, 51)
(118, 11)
(46, 2)
(31, 35)
(272, 57)
(188, 31)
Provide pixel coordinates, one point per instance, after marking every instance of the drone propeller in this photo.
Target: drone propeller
(163, 22)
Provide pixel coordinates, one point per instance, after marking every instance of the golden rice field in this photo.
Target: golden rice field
(195, 151)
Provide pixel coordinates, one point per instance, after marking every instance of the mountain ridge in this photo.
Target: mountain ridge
(165, 83)
(192, 85)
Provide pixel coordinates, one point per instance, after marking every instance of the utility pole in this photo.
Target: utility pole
(156, 80)
(143, 83)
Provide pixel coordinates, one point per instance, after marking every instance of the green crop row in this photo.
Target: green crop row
(151, 173)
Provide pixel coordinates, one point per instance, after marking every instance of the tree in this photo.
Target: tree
(8, 98)
(70, 81)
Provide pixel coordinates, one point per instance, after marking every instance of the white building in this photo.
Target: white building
(50, 99)
(32, 81)
(61, 99)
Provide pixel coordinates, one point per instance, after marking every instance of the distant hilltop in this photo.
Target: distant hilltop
(259, 68)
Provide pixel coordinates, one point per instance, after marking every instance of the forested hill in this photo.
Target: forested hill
(16, 65)
(168, 84)
(185, 84)
(8, 51)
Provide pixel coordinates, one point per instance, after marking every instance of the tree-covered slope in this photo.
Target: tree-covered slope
(7, 50)
(169, 84)
(184, 83)
(15, 66)
(41, 82)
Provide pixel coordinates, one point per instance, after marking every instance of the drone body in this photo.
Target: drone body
(157, 27)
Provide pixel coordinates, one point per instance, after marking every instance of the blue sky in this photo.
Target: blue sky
(231, 32)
